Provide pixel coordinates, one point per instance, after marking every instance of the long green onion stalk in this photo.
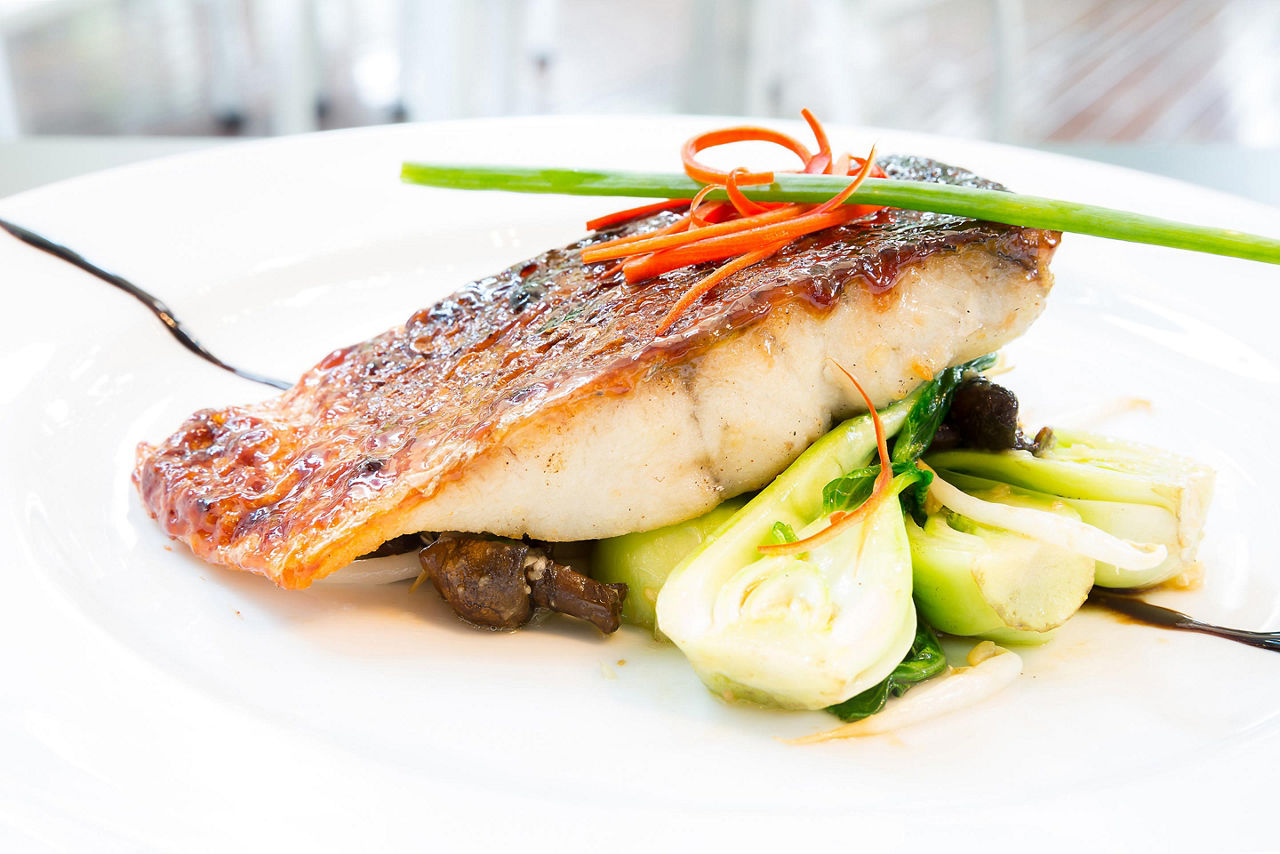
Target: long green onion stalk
(991, 205)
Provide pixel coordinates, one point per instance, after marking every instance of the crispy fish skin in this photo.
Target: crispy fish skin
(539, 402)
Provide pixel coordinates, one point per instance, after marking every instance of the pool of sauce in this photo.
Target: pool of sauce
(1132, 609)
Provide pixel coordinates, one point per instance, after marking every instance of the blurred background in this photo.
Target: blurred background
(1025, 71)
(1135, 76)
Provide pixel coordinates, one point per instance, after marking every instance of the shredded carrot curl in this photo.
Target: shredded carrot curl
(740, 232)
(819, 134)
(842, 519)
(744, 206)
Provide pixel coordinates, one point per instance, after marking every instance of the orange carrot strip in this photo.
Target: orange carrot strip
(605, 250)
(632, 213)
(818, 164)
(707, 175)
(697, 217)
(819, 133)
(716, 248)
(740, 227)
(788, 225)
(862, 210)
(652, 242)
(710, 281)
(716, 213)
(842, 519)
(688, 221)
(624, 247)
(838, 199)
(876, 172)
(741, 203)
(629, 265)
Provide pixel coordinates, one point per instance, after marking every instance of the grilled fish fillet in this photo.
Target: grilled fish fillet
(539, 402)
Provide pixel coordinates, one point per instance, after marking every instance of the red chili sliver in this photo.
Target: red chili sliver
(843, 519)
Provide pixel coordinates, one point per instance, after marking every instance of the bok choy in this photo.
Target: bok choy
(1133, 492)
(980, 580)
(643, 560)
(805, 630)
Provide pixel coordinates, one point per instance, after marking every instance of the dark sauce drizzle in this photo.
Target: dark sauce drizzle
(158, 308)
(1167, 618)
(1130, 606)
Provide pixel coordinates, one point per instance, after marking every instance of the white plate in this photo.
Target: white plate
(150, 699)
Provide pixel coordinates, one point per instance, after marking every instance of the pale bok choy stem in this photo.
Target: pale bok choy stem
(1067, 533)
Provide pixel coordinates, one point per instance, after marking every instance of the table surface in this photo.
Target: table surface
(1248, 172)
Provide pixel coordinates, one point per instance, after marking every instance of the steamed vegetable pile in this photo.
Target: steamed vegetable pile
(825, 589)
